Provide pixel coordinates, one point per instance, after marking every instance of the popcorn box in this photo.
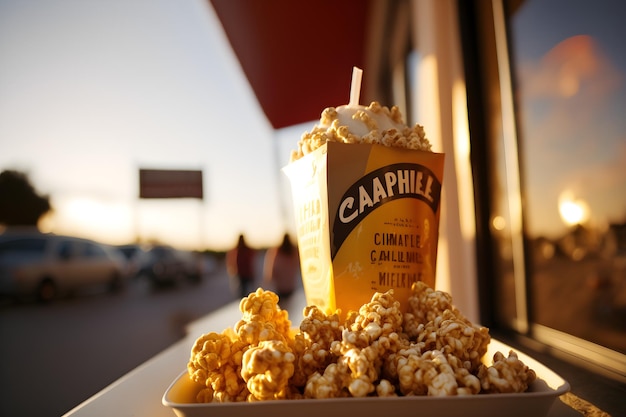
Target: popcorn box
(367, 219)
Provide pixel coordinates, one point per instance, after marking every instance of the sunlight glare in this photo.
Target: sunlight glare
(108, 222)
(573, 211)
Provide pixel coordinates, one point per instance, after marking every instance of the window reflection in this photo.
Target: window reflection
(570, 73)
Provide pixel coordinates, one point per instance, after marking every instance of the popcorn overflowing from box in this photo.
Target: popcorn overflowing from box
(366, 190)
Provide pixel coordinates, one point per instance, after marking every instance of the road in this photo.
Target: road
(55, 356)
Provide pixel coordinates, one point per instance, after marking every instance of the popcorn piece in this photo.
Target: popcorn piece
(227, 385)
(468, 383)
(262, 318)
(444, 382)
(215, 362)
(425, 304)
(263, 306)
(208, 353)
(205, 395)
(391, 363)
(319, 327)
(330, 384)
(266, 368)
(508, 374)
(455, 335)
(381, 316)
(312, 345)
(386, 389)
(361, 386)
(368, 340)
(410, 369)
(254, 332)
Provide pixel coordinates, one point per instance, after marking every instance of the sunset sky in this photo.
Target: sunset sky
(92, 91)
(572, 90)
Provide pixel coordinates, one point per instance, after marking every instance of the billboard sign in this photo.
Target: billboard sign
(167, 183)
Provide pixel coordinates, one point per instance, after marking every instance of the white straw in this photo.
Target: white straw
(355, 89)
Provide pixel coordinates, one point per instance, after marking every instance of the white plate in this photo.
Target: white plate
(536, 402)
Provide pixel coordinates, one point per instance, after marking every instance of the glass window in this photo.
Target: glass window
(92, 250)
(569, 72)
(65, 249)
(33, 245)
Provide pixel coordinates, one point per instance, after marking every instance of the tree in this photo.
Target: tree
(20, 204)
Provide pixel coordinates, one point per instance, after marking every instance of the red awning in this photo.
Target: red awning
(298, 55)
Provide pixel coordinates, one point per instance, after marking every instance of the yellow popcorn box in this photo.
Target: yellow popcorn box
(367, 219)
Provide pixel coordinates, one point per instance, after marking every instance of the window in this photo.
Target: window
(92, 250)
(571, 91)
(65, 249)
(31, 245)
(571, 88)
(549, 143)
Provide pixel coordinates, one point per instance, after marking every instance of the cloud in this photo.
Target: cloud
(576, 66)
(566, 95)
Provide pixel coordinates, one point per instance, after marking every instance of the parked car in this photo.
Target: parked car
(167, 266)
(49, 265)
(136, 258)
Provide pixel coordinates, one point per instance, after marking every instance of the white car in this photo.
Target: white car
(48, 265)
(168, 266)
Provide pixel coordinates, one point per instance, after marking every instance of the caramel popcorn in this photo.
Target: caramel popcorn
(373, 124)
(432, 373)
(217, 359)
(507, 374)
(432, 349)
(216, 363)
(312, 345)
(266, 368)
(330, 384)
(452, 334)
(369, 337)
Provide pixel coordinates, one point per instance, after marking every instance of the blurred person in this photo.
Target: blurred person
(240, 267)
(280, 268)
